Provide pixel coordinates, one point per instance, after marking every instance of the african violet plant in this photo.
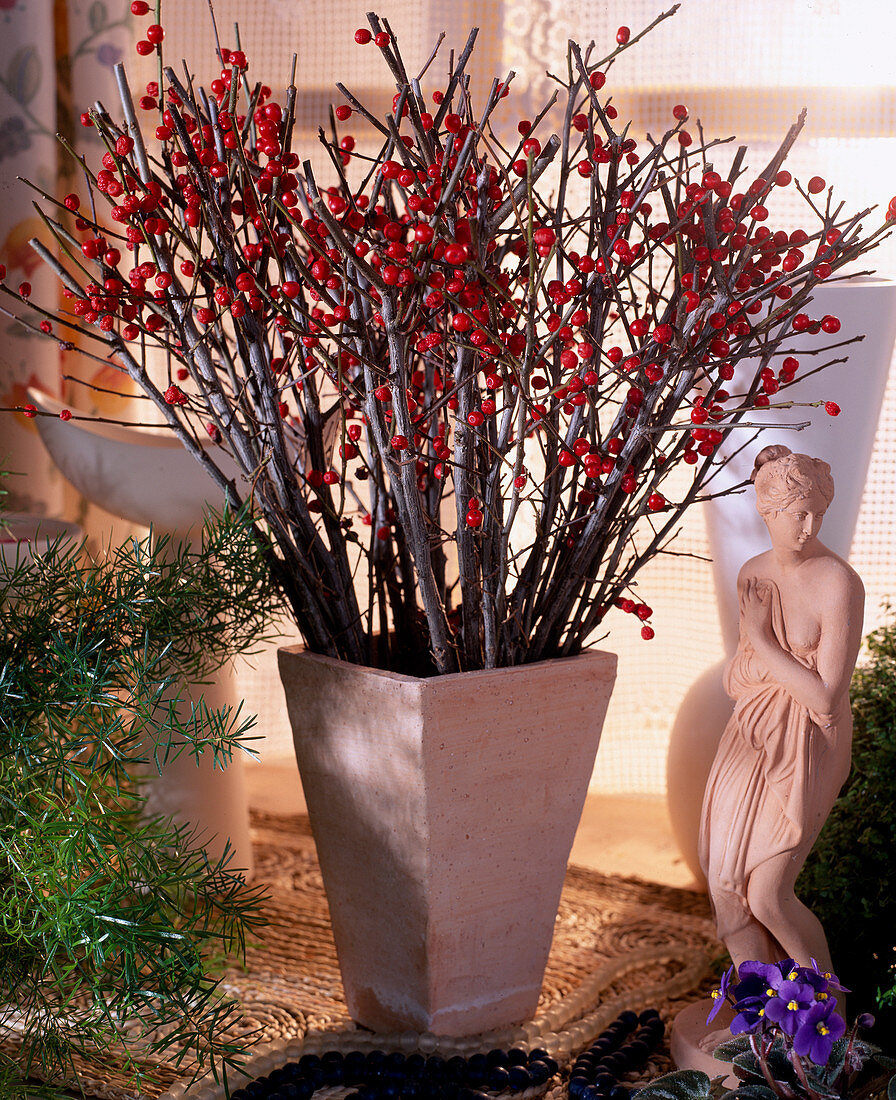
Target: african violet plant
(788, 1041)
(459, 380)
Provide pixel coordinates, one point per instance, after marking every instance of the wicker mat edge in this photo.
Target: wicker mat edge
(290, 986)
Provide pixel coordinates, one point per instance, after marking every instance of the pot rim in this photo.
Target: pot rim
(591, 656)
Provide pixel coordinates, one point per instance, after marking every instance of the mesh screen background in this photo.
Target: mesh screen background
(745, 68)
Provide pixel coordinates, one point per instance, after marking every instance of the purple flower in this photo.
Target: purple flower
(817, 1032)
(789, 1005)
(750, 1015)
(720, 995)
(749, 996)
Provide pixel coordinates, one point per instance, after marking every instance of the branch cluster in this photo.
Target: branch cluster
(458, 376)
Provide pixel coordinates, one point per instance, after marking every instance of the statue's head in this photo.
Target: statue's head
(792, 494)
(782, 478)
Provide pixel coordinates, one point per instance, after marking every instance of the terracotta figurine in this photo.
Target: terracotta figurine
(785, 753)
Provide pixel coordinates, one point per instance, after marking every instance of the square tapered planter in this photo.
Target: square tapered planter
(444, 811)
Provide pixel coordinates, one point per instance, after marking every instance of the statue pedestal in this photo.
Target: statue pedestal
(689, 1029)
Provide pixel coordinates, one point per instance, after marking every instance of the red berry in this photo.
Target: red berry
(65, 415)
(830, 324)
(832, 408)
(174, 395)
(680, 112)
(30, 411)
(382, 40)
(474, 518)
(623, 35)
(647, 632)
(343, 112)
(815, 185)
(155, 33)
(139, 7)
(143, 48)
(362, 36)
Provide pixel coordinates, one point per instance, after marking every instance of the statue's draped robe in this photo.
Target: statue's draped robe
(777, 772)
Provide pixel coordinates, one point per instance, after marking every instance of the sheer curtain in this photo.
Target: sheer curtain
(744, 69)
(56, 59)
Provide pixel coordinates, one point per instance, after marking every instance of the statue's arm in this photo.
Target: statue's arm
(840, 602)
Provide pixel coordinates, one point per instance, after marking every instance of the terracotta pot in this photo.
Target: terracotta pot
(444, 811)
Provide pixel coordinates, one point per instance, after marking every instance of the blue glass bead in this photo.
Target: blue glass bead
(540, 1072)
(472, 1094)
(258, 1088)
(628, 1019)
(239, 1094)
(498, 1078)
(415, 1065)
(304, 1088)
(649, 1014)
(519, 1078)
(456, 1069)
(435, 1066)
(538, 1054)
(307, 1061)
(592, 1093)
(517, 1057)
(477, 1070)
(577, 1086)
(333, 1073)
(620, 1092)
(497, 1057)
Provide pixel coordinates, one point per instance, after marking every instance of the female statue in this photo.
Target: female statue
(786, 751)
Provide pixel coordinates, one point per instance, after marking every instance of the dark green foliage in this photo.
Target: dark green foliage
(849, 880)
(767, 1069)
(112, 927)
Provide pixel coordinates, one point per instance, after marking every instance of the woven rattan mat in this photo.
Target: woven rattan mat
(291, 984)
